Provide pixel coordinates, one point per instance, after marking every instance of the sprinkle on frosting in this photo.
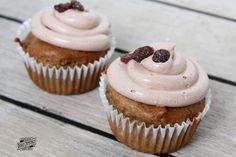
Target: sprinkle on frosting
(177, 82)
(73, 29)
(161, 56)
(138, 55)
(62, 7)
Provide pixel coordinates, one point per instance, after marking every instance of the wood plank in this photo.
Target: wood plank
(224, 8)
(53, 137)
(216, 134)
(12, 89)
(209, 40)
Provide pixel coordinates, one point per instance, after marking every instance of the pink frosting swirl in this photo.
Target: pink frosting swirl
(177, 82)
(72, 29)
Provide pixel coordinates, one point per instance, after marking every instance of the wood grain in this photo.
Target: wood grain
(210, 40)
(53, 138)
(138, 23)
(216, 131)
(224, 8)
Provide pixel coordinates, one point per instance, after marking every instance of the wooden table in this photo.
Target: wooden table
(69, 126)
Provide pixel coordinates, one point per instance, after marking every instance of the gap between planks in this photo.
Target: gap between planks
(91, 129)
(194, 10)
(122, 51)
(64, 120)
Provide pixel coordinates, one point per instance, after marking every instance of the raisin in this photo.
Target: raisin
(77, 5)
(142, 53)
(62, 7)
(161, 56)
(138, 55)
(126, 58)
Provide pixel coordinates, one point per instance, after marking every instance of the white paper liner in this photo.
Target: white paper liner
(77, 72)
(163, 135)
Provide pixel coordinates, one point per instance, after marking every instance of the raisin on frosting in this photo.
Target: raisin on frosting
(72, 29)
(62, 7)
(138, 55)
(161, 56)
(174, 82)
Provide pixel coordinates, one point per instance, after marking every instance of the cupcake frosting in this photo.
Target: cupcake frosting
(179, 81)
(72, 29)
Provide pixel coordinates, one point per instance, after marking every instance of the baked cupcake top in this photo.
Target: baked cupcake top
(157, 75)
(72, 26)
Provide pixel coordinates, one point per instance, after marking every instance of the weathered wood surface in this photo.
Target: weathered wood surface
(217, 133)
(225, 8)
(54, 139)
(87, 108)
(142, 22)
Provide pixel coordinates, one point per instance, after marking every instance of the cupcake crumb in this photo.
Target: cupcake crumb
(132, 91)
(17, 40)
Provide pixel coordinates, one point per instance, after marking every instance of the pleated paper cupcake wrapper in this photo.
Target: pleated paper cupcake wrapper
(137, 135)
(62, 80)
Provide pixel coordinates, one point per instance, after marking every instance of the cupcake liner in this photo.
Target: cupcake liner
(62, 80)
(137, 135)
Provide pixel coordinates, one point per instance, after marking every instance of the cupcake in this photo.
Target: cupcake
(154, 98)
(65, 47)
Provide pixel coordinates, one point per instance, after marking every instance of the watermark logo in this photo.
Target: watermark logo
(26, 143)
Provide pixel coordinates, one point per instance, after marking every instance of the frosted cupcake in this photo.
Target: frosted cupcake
(65, 47)
(154, 98)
